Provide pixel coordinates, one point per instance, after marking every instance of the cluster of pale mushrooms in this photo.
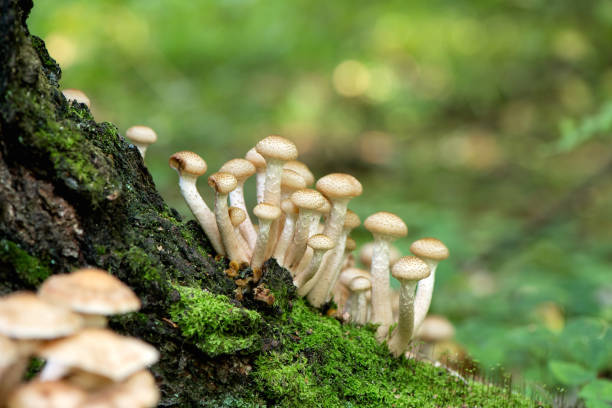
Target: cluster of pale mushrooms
(86, 364)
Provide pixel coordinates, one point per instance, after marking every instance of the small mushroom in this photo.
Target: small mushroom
(223, 184)
(306, 280)
(344, 280)
(276, 150)
(432, 251)
(237, 217)
(359, 304)
(408, 270)
(301, 169)
(339, 189)
(260, 167)
(266, 213)
(241, 169)
(142, 137)
(189, 167)
(77, 96)
(290, 183)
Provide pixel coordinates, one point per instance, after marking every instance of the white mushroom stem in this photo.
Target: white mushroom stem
(274, 174)
(424, 293)
(297, 248)
(329, 272)
(53, 371)
(359, 307)
(310, 274)
(335, 220)
(260, 176)
(382, 312)
(226, 229)
(203, 214)
(246, 227)
(401, 336)
(285, 238)
(262, 242)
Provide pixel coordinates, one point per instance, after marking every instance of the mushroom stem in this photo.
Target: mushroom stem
(266, 213)
(302, 230)
(307, 276)
(382, 312)
(246, 227)
(335, 220)
(286, 236)
(424, 294)
(260, 177)
(359, 302)
(237, 216)
(401, 336)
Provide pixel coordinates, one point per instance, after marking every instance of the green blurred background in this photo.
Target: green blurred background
(483, 123)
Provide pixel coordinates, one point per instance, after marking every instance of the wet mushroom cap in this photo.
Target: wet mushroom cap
(102, 352)
(308, 199)
(242, 169)
(47, 394)
(141, 134)
(430, 248)
(23, 315)
(265, 211)
(321, 242)
(301, 169)
(77, 95)
(410, 268)
(237, 215)
(256, 159)
(386, 223)
(90, 291)
(339, 185)
(276, 147)
(223, 183)
(188, 162)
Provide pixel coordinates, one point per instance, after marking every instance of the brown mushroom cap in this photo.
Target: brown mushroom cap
(301, 169)
(435, 329)
(188, 162)
(137, 391)
(256, 159)
(223, 183)
(351, 220)
(237, 215)
(410, 268)
(23, 315)
(276, 147)
(288, 207)
(359, 284)
(91, 291)
(291, 180)
(386, 223)
(321, 242)
(325, 208)
(350, 245)
(141, 134)
(76, 95)
(47, 394)
(308, 198)
(429, 248)
(241, 169)
(339, 185)
(265, 211)
(102, 352)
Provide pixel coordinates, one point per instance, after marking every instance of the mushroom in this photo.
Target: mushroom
(237, 217)
(189, 167)
(339, 189)
(435, 329)
(90, 292)
(241, 169)
(99, 351)
(301, 169)
(365, 254)
(432, 251)
(77, 96)
(290, 183)
(385, 227)
(276, 150)
(223, 184)
(47, 394)
(408, 270)
(266, 213)
(305, 281)
(291, 211)
(142, 137)
(137, 391)
(260, 167)
(359, 304)
(344, 280)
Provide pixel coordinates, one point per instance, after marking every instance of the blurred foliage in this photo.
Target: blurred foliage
(482, 123)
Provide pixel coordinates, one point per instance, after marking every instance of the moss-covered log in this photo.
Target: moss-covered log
(73, 192)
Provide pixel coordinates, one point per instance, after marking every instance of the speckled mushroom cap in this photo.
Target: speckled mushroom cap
(410, 268)
(365, 254)
(339, 185)
(308, 199)
(141, 134)
(429, 248)
(90, 291)
(223, 183)
(242, 169)
(386, 223)
(47, 394)
(23, 315)
(265, 211)
(256, 159)
(237, 215)
(76, 95)
(291, 180)
(436, 328)
(288, 207)
(350, 245)
(351, 220)
(301, 169)
(359, 284)
(321, 242)
(325, 208)
(102, 352)
(8, 352)
(137, 391)
(188, 163)
(276, 147)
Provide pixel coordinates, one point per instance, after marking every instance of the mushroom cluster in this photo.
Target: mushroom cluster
(86, 364)
(307, 231)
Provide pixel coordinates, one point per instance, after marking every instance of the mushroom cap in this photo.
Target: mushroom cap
(339, 185)
(308, 199)
(141, 134)
(410, 268)
(237, 215)
(47, 394)
(365, 254)
(325, 208)
(91, 291)
(350, 245)
(359, 284)
(301, 169)
(321, 242)
(347, 275)
(76, 95)
(386, 223)
(351, 220)
(188, 162)
(291, 180)
(276, 147)
(101, 351)
(242, 169)
(436, 328)
(256, 159)
(288, 207)
(265, 211)
(223, 183)
(23, 315)
(139, 391)
(429, 248)
(8, 352)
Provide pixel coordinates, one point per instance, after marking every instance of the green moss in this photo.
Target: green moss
(139, 261)
(29, 269)
(215, 325)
